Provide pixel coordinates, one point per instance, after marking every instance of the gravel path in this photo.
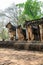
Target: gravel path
(14, 57)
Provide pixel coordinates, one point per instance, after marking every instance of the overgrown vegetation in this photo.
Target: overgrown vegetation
(32, 9)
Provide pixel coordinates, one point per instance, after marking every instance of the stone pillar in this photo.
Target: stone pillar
(41, 31)
(26, 34)
(16, 34)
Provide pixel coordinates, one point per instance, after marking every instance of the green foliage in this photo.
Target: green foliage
(4, 34)
(21, 19)
(32, 9)
(21, 5)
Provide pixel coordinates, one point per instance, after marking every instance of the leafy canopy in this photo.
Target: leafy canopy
(32, 8)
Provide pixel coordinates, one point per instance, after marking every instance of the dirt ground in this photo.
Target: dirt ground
(23, 57)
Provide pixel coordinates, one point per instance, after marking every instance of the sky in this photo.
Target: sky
(6, 3)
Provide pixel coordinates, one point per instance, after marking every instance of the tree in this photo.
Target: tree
(12, 13)
(4, 35)
(20, 8)
(32, 8)
(21, 16)
(29, 10)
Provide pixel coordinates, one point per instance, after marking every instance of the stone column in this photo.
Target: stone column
(16, 34)
(26, 34)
